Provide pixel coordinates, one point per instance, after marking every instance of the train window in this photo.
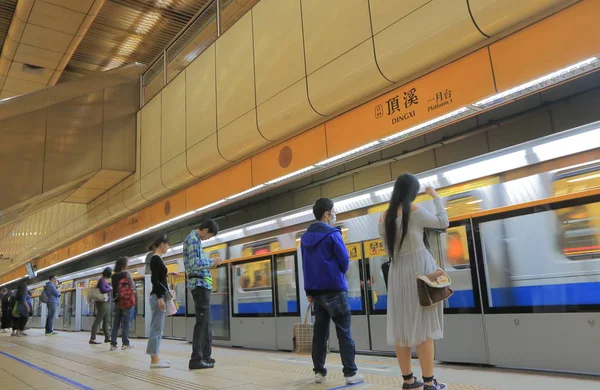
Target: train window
(529, 259)
(287, 289)
(253, 292)
(579, 237)
(456, 247)
(469, 205)
(219, 303)
(576, 180)
(261, 247)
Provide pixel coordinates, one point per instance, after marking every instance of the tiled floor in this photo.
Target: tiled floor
(39, 362)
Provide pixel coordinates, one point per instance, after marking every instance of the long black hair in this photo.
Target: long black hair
(21, 291)
(406, 189)
(121, 264)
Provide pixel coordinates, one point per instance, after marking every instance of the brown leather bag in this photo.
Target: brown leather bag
(434, 288)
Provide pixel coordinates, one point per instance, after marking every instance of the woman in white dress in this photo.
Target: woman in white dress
(408, 323)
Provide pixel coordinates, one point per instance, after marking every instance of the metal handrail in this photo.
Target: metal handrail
(185, 29)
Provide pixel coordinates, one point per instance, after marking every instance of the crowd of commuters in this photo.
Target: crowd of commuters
(325, 262)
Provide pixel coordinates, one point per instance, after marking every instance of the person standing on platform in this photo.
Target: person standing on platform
(51, 290)
(6, 309)
(325, 262)
(102, 308)
(124, 296)
(158, 306)
(197, 267)
(21, 310)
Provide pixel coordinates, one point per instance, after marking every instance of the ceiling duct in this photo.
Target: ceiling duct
(41, 39)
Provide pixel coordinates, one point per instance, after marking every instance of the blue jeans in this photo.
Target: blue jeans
(124, 316)
(157, 325)
(334, 307)
(51, 316)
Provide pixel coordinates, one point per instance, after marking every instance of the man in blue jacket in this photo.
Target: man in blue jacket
(51, 290)
(325, 262)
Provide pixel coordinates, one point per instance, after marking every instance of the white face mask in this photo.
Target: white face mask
(333, 218)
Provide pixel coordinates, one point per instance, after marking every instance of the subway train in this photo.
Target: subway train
(522, 250)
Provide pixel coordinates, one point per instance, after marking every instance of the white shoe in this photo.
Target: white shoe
(356, 378)
(160, 364)
(319, 378)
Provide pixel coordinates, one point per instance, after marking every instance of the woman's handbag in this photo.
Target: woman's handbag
(434, 287)
(170, 304)
(94, 295)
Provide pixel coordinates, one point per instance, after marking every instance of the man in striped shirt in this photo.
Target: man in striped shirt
(197, 268)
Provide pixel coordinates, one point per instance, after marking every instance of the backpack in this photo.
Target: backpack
(44, 298)
(125, 294)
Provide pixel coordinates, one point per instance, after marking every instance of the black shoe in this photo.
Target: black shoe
(200, 365)
(210, 360)
(106, 341)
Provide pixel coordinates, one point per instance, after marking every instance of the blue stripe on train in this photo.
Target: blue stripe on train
(548, 295)
(540, 295)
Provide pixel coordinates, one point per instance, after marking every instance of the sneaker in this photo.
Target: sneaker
(416, 385)
(436, 386)
(113, 347)
(210, 360)
(94, 342)
(354, 379)
(106, 341)
(160, 364)
(320, 378)
(52, 334)
(126, 347)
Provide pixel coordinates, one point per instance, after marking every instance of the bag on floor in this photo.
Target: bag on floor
(94, 295)
(303, 335)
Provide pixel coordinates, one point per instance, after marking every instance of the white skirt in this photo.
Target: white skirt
(409, 324)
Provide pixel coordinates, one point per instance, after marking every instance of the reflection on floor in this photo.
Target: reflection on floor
(67, 361)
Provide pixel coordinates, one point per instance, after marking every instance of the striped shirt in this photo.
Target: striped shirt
(197, 264)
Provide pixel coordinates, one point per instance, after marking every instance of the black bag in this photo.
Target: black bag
(385, 268)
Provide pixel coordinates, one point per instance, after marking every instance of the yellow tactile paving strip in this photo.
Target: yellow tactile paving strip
(233, 364)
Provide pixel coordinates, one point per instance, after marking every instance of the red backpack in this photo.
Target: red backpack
(125, 294)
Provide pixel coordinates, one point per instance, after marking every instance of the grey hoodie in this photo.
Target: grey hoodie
(53, 294)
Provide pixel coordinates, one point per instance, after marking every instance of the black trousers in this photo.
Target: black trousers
(202, 342)
(19, 323)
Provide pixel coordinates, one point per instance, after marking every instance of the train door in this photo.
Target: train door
(356, 296)
(138, 324)
(87, 308)
(287, 308)
(175, 325)
(375, 256)
(253, 322)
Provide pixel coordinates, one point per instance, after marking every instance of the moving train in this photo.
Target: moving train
(523, 252)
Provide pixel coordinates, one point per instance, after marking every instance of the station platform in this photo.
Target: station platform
(67, 361)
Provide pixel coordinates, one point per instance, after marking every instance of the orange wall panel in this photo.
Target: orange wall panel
(231, 181)
(299, 152)
(168, 208)
(457, 84)
(558, 41)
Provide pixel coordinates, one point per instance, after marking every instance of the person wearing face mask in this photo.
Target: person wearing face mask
(325, 262)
